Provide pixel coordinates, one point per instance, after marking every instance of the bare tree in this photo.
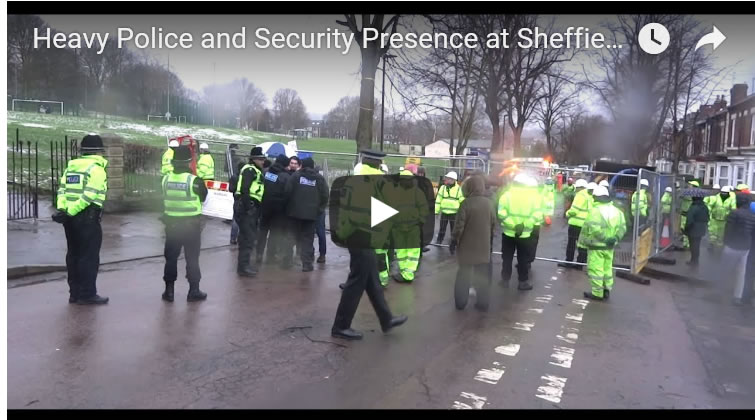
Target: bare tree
(289, 109)
(251, 101)
(558, 97)
(371, 55)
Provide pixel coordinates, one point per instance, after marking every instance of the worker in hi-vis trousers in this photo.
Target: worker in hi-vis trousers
(602, 230)
(412, 208)
(719, 207)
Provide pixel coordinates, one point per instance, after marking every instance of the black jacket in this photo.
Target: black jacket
(740, 229)
(307, 195)
(274, 198)
(697, 220)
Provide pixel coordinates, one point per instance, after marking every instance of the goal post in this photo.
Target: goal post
(176, 119)
(36, 105)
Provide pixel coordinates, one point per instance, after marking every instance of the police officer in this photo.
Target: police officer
(602, 230)
(183, 194)
(250, 190)
(205, 164)
(81, 195)
(273, 218)
(363, 273)
(518, 208)
(167, 165)
(307, 196)
(447, 203)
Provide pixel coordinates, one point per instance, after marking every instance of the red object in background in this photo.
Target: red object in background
(665, 235)
(548, 220)
(193, 147)
(559, 182)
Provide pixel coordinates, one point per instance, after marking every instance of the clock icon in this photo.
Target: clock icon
(654, 38)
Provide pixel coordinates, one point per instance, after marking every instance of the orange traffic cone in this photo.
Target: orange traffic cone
(665, 235)
(548, 220)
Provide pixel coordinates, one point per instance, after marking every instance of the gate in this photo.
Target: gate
(60, 153)
(23, 180)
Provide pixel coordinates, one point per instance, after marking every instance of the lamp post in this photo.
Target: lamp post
(382, 101)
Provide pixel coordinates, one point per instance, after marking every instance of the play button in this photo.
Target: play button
(379, 212)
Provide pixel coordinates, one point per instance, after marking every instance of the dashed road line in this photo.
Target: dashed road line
(475, 401)
(553, 390)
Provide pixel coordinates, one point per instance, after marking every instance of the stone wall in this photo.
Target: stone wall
(114, 146)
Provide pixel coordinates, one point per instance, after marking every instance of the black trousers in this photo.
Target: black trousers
(694, 246)
(522, 248)
(182, 232)
(480, 277)
(573, 235)
(305, 236)
(247, 221)
(445, 219)
(534, 240)
(84, 240)
(363, 276)
(275, 235)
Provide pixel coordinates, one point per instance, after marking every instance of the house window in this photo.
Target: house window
(739, 174)
(723, 175)
(711, 174)
(701, 173)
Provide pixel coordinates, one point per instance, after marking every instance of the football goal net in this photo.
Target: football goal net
(36, 105)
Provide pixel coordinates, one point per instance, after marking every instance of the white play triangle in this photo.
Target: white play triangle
(380, 211)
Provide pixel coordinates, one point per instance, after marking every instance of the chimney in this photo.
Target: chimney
(738, 93)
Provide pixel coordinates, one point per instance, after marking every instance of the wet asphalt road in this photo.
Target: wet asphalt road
(265, 343)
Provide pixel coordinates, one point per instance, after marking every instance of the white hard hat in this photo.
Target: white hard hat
(726, 189)
(604, 183)
(384, 167)
(520, 178)
(716, 187)
(204, 146)
(592, 186)
(400, 168)
(173, 143)
(600, 191)
(581, 183)
(453, 175)
(668, 189)
(644, 182)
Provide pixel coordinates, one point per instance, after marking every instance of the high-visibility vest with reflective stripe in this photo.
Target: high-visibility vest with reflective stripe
(519, 206)
(643, 202)
(206, 167)
(179, 197)
(719, 210)
(84, 182)
(580, 208)
(604, 222)
(449, 199)
(257, 188)
(666, 203)
(167, 162)
(408, 199)
(549, 199)
(355, 216)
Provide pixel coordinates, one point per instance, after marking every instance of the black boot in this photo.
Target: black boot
(394, 322)
(168, 293)
(247, 271)
(94, 300)
(347, 334)
(606, 294)
(525, 285)
(590, 296)
(195, 294)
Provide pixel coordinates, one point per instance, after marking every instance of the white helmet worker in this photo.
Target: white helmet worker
(726, 189)
(521, 178)
(384, 167)
(592, 186)
(604, 183)
(173, 143)
(581, 183)
(668, 189)
(600, 191)
(204, 146)
(644, 182)
(453, 175)
(716, 187)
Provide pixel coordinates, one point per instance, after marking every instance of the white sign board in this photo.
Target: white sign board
(218, 204)
(292, 144)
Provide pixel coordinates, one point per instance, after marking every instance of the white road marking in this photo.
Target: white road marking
(563, 356)
(490, 376)
(547, 287)
(508, 349)
(553, 390)
(568, 335)
(524, 326)
(535, 310)
(581, 302)
(544, 298)
(477, 401)
(576, 318)
(554, 278)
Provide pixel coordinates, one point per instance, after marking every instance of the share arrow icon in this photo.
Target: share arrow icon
(716, 38)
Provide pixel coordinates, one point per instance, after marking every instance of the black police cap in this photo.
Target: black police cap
(92, 142)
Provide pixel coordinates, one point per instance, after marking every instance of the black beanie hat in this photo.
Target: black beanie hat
(282, 160)
(182, 154)
(308, 163)
(91, 142)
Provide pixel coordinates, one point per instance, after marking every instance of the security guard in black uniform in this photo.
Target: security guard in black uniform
(183, 194)
(247, 210)
(363, 271)
(81, 195)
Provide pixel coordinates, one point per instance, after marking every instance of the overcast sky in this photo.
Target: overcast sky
(323, 76)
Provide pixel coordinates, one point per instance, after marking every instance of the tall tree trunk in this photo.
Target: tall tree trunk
(517, 131)
(367, 98)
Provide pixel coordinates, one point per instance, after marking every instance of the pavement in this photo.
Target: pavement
(265, 342)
